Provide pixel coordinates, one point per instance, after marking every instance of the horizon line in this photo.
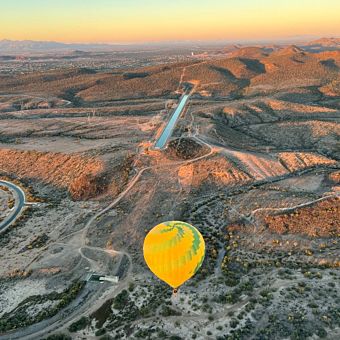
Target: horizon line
(174, 41)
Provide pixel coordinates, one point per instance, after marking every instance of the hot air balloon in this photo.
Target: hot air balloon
(174, 251)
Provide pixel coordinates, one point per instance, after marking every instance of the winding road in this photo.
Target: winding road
(92, 301)
(20, 201)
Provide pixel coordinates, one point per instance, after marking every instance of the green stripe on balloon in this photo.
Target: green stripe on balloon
(197, 240)
(199, 264)
(170, 243)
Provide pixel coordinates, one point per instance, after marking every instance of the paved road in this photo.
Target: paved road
(19, 205)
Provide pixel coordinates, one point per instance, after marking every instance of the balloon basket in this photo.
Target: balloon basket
(175, 297)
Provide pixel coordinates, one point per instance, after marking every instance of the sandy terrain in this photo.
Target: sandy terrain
(6, 201)
(253, 163)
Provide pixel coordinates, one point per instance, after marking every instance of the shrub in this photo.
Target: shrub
(121, 300)
(59, 337)
(79, 325)
(100, 332)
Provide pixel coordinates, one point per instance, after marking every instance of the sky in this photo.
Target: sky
(118, 21)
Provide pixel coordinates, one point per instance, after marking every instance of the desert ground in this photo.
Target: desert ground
(253, 163)
(6, 202)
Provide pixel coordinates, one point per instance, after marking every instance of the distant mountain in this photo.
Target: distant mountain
(29, 46)
(20, 46)
(16, 47)
(288, 51)
(251, 52)
(326, 42)
(322, 45)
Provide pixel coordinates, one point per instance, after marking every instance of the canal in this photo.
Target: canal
(166, 134)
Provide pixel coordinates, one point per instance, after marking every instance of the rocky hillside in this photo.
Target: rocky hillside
(81, 176)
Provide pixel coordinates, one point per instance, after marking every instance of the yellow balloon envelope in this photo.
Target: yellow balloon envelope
(174, 251)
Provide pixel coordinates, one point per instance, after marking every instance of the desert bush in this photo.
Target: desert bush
(82, 323)
(59, 337)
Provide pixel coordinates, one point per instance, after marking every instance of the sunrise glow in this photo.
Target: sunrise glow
(157, 20)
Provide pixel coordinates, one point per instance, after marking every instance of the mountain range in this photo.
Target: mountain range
(21, 46)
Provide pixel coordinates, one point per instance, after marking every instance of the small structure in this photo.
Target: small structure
(113, 279)
(102, 278)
